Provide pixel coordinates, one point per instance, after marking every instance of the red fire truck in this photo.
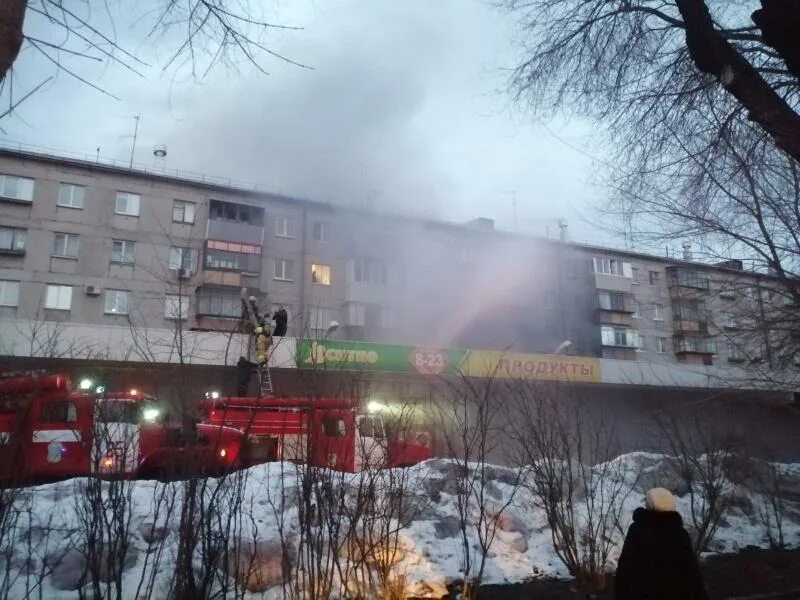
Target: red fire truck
(49, 432)
(325, 432)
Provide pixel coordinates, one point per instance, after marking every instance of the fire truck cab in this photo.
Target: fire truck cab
(49, 432)
(325, 432)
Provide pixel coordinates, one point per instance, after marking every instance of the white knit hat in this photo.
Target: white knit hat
(660, 500)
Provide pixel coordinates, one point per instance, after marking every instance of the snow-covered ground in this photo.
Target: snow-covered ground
(51, 533)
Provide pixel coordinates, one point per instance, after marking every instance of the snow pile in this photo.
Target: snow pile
(51, 532)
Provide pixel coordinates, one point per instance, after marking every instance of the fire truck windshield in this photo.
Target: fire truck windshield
(125, 411)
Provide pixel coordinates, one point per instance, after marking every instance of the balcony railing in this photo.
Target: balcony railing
(686, 278)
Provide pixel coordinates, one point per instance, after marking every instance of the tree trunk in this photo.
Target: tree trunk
(12, 15)
(714, 55)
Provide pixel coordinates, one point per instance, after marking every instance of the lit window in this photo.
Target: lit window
(123, 251)
(71, 195)
(58, 297)
(12, 239)
(66, 245)
(117, 302)
(320, 232)
(183, 212)
(176, 307)
(284, 269)
(321, 274)
(284, 227)
(9, 293)
(16, 188)
(127, 204)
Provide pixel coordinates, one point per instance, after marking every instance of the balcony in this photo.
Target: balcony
(235, 232)
(694, 349)
(686, 283)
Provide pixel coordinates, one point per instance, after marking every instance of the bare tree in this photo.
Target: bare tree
(198, 35)
(571, 472)
(699, 101)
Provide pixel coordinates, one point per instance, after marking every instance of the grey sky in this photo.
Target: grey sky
(403, 109)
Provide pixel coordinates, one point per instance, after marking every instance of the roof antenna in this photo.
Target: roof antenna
(135, 134)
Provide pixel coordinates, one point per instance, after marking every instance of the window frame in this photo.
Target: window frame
(125, 294)
(16, 233)
(5, 284)
(653, 277)
(661, 344)
(192, 252)
(66, 237)
(289, 227)
(179, 300)
(60, 289)
(230, 304)
(324, 268)
(287, 264)
(17, 198)
(128, 196)
(125, 244)
(323, 237)
(183, 205)
(658, 312)
(72, 187)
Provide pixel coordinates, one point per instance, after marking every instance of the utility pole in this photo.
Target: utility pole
(135, 134)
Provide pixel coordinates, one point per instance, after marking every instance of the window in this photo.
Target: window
(219, 303)
(71, 195)
(726, 290)
(369, 270)
(711, 346)
(66, 245)
(370, 427)
(321, 274)
(661, 345)
(687, 278)
(619, 336)
(12, 239)
(637, 310)
(284, 227)
(58, 297)
(730, 322)
(609, 301)
(610, 266)
(181, 258)
(176, 307)
(117, 302)
(356, 314)
(16, 188)
(735, 353)
(320, 232)
(634, 276)
(183, 212)
(654, 277)
(123, 251)
(233, 256)
(320, 318)
(59, 411)
(235, 213)
(284, 269)
(686, 310)
(127, 204)
(9, 293)
(658, 311)
(333, 427)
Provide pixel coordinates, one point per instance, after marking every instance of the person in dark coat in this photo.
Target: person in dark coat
(657, 560)
(244, 370)
(281, 318)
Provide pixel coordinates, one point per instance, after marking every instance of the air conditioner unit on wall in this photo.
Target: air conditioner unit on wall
(93, 290)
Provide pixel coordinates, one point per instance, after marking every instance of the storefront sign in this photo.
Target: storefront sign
(366, 356)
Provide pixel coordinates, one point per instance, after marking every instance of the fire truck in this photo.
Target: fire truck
(325, 432)
(49, 431)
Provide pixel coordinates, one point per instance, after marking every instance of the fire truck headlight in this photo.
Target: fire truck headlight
(150, 414)
(134, 391)
(100, 389)
(374, 406)
(85, 383)
(214, 395)
(223, 453)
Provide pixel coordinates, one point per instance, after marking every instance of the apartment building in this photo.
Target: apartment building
(90, 243)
